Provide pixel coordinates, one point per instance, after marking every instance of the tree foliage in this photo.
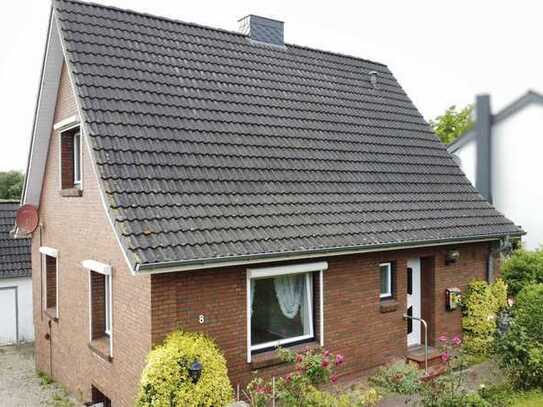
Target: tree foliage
(520, 350)
(453, 123)
(11, 184)
(522, 268)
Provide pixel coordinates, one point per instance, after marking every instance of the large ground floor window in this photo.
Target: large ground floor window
(281, 305)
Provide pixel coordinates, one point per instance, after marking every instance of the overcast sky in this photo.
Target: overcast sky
(442, 52)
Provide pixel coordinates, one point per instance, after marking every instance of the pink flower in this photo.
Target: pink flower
(456, 340)
(443, 338)
(325, 363)
(288, 378)
(326, 353)
(445, 356)
(339, 359)
(333, 378)
(299, 358)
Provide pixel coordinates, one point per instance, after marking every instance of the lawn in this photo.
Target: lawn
(532, 398)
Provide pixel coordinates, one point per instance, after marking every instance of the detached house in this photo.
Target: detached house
(230, 183)
(500, 156)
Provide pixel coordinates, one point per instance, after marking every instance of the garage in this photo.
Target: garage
(16, 323)
(8, 317)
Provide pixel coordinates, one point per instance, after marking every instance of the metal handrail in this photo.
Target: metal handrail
(405, 316)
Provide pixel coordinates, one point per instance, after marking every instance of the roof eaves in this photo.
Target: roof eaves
(219, 262)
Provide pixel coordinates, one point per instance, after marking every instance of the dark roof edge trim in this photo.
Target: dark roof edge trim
(176, 266)
(518, 104)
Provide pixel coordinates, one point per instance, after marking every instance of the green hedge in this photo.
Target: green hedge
(165, 381)
(523, 268)
(481, 304)
(520, 350)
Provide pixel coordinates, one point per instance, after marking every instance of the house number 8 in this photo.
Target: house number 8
(201, 319)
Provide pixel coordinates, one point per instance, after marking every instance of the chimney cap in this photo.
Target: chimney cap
(263, 29)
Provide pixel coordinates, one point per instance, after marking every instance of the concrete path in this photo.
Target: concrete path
(20, 386)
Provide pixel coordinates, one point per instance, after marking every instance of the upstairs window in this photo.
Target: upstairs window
(70, 159)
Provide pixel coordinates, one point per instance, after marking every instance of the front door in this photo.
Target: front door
(413, 301)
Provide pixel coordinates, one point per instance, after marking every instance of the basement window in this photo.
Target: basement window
(70, 161)
(100, 307)
(99, 399)
(280, 303)
(50, 281)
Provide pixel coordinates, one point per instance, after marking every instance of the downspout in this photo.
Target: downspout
(483, 129)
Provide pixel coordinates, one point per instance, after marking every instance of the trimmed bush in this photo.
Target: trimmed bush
(520, 350)
(165, 381)
(481, 304)
(522, 268)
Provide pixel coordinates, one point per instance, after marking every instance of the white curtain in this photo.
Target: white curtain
(290, 291)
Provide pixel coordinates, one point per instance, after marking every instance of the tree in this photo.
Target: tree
(11, 184)
(453, 123)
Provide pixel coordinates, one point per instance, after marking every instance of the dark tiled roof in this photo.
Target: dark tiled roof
(14, 253)
(209, 146)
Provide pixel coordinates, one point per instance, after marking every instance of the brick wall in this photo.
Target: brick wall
(79, 229)
(354, 324)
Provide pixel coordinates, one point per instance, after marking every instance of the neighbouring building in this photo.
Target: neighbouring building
(261, 192)
(16, 321)
(500, 156)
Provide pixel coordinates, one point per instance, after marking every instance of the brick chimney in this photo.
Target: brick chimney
(262, 29)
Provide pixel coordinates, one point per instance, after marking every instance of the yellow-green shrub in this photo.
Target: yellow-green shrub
(482, 302)
(165, 381)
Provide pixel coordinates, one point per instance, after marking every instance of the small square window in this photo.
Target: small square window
(385, 275)
(70, 158)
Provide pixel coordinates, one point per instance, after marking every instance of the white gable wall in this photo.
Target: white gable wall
(517, 170)
(467, 155)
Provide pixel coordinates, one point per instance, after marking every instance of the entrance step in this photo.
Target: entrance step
(415, 354)
(436, 367)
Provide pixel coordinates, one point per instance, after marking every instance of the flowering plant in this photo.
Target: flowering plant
(317, 365)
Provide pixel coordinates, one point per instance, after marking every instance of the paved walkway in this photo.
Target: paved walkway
(20, 386)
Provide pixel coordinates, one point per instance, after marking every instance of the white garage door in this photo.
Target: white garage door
(8, 315)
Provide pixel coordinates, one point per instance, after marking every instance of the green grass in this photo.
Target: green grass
(60, 399)
(533, 398)
(44, 378)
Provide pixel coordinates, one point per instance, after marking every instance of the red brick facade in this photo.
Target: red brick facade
(146, 308)
(355, 323)
(79, 229)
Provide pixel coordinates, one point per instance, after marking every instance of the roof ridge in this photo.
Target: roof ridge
(207, 27)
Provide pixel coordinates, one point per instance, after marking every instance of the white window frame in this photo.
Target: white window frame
(63, 126)
(49, 251)
(77, 158)
(388, 294)
(106, 270)
(270, 272)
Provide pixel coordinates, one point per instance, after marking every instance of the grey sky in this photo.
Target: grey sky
(442, 52)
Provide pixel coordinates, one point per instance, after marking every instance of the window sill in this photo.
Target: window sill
(388, 305)
(71, 192)
(271, 358)
(100, 346)
(51, 314)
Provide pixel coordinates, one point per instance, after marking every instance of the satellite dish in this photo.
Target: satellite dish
(27, 218)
